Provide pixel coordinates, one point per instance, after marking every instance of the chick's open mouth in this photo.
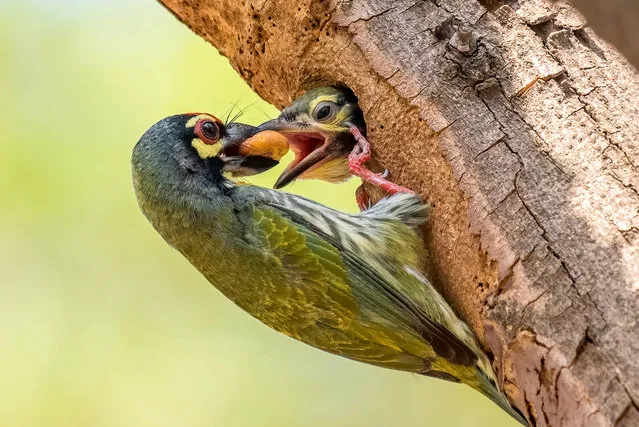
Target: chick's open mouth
(302, 144)
(313, 157)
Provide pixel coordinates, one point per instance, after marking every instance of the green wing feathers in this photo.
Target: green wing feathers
(352, 285)
(347, 284)
(317, 282)
(311, 278)
(384, 308)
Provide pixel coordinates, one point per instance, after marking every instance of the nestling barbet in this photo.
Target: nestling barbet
(346, 284)
(326, 130)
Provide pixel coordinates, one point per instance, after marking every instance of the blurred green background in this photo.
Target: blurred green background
(101, 323)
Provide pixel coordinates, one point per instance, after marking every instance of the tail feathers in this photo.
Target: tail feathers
(489, 389)
(406, 207)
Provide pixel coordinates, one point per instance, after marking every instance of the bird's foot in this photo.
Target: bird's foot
(361, 152)
(359, 156)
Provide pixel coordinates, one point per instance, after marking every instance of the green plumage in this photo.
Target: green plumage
(346, 284)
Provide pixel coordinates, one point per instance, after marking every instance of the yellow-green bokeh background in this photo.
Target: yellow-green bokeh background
(101, 323)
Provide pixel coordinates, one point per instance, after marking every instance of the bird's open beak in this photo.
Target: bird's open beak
(248, 151)
(310, 146)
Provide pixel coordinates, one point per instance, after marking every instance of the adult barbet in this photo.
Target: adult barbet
(346, 284)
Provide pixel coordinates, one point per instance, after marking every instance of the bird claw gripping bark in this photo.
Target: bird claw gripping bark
(359, 156)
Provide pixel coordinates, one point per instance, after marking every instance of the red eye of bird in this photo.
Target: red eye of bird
(208, 131)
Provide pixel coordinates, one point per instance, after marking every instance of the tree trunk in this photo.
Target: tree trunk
(521, 127)
(617, 22)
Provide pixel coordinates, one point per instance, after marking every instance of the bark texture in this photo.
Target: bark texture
(617, 22)
(521, 126)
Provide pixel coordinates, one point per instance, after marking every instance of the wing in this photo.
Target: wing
(374, 291)
(304, 292)
(303, 281)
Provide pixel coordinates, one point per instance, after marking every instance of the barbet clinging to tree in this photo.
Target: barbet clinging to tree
(346, 284)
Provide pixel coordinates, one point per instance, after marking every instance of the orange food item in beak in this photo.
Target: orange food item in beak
(267, 143)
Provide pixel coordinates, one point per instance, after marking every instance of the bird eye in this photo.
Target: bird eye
(325, 111)
(208, 131)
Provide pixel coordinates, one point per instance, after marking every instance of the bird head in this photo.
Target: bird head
(316, 126)
(183, 152)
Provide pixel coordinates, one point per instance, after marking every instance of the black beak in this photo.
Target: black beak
(237, 133)
(282, 125)
(242, 165)
(249, 165)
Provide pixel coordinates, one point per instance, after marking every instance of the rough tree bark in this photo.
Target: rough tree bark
(615, 21)
(521, 126)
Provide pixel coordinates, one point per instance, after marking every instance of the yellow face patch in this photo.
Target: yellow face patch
(205, 150)
(193, 120)
(337, 123)
(329, 98)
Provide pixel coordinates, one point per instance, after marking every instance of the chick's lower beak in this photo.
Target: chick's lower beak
(313, 150)
(248, 151)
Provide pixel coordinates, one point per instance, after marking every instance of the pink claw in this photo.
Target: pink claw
(359, 156)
